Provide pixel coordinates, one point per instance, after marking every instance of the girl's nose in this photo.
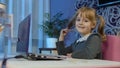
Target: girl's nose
(81, 22)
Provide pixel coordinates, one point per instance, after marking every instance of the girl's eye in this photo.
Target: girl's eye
(77, 19)
(85, 20)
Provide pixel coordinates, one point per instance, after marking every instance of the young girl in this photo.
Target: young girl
(89, 45)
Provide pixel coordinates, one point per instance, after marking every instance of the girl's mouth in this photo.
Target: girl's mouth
(80, 27)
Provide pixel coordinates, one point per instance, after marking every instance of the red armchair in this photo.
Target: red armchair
(111, 48)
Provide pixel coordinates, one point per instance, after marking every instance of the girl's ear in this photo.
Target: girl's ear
(93, 26)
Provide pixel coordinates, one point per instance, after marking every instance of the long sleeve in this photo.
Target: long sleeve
(91, 50)
(62, 50)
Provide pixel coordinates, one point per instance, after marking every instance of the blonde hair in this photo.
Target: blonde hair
(90, 13)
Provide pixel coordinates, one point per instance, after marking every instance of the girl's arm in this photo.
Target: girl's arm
(62, 50)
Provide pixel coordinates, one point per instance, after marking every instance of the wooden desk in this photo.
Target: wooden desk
(46, 49)
(67, 63)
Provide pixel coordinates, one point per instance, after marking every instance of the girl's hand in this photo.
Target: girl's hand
(63, 33)
(69, 55)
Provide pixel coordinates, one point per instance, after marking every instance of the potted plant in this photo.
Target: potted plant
(53, 26)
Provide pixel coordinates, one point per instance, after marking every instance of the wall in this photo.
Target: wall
(68, 9)
(66, 6)
(111, 14)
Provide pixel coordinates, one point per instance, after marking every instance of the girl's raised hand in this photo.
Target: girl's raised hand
(63, 33)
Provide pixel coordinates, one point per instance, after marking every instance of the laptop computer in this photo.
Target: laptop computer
(31, 56)
(45, 57)
(23, 43)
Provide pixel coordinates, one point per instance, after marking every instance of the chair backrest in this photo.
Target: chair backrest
(111, 48)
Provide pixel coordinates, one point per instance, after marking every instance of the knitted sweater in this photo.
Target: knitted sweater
(87, 49)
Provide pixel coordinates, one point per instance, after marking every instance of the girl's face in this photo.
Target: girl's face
(83, 25)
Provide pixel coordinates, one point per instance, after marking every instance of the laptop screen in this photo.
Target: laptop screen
(23, 35)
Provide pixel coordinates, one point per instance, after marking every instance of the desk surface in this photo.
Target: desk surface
(67, 63)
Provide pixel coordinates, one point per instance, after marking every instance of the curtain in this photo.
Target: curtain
(18, 10)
